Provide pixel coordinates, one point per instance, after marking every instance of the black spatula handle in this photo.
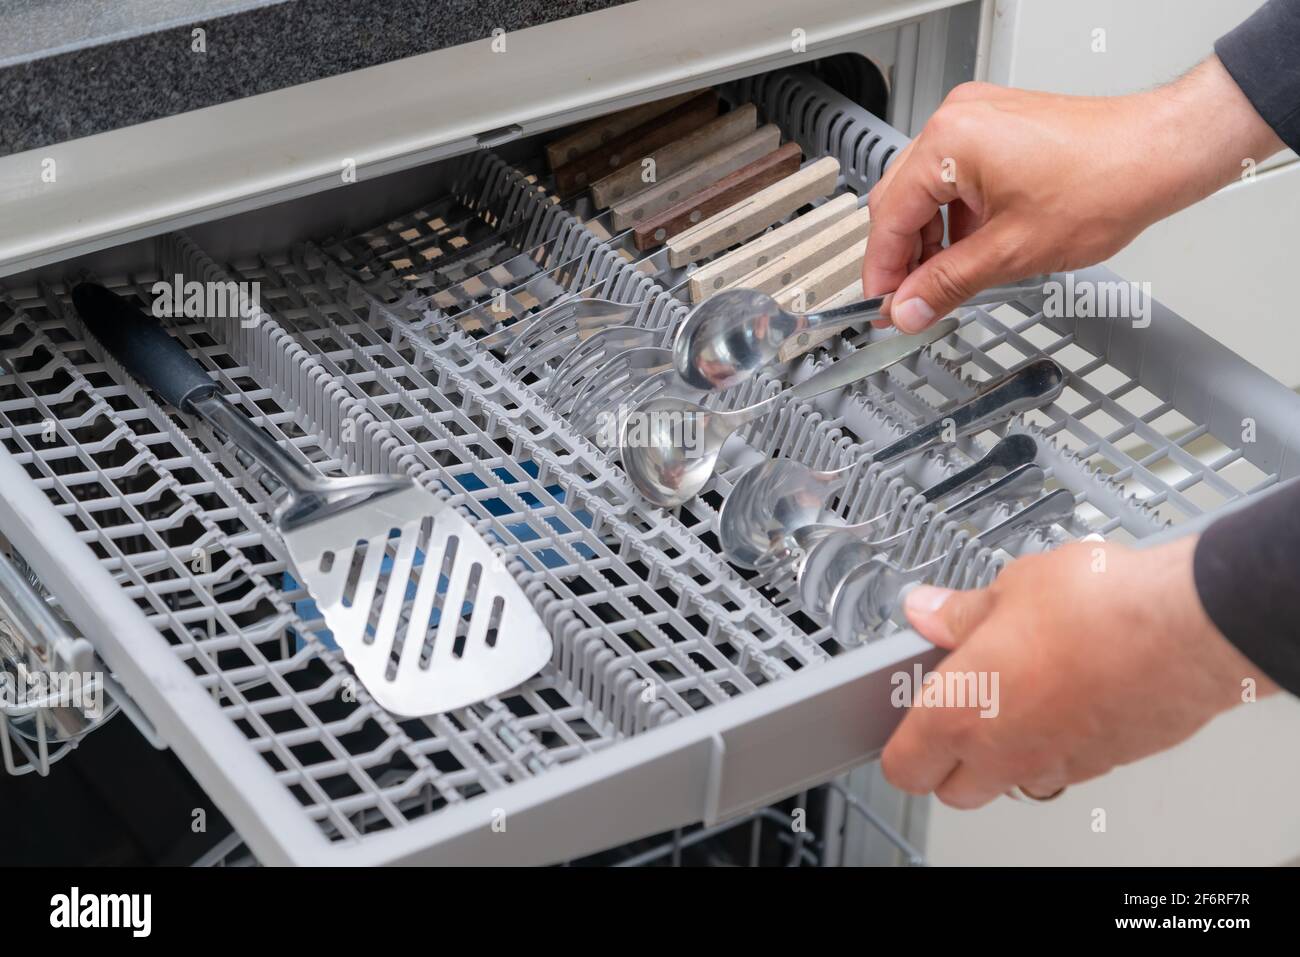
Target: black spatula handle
(146, 351)
(138, 342)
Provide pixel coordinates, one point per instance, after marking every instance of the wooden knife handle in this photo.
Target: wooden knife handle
(849, 294)
(807, 293)
(725, 193)
(637, 142)
(750, 218)
(726, 271)
(627, 179)
(802, 259)
(601, 130)
(704, 172)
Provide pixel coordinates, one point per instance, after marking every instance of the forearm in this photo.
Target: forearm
(1204, 133)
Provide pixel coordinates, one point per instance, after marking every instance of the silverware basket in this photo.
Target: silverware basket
(681, 689)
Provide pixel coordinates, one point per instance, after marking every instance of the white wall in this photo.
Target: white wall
(1228, 796)
(1225, 263)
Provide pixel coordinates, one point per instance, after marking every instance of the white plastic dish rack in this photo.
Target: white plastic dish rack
(680, 690)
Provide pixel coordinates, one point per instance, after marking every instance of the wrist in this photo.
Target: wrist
(1203, 134)
(1224, 673)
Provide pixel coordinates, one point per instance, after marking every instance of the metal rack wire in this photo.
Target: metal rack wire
(656, 636)
(778, 835)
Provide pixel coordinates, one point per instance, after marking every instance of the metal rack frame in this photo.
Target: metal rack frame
(750, 703)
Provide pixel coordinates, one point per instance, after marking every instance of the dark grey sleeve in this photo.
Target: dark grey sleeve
(1247, 564)
(1263, 56)
(1247, 570)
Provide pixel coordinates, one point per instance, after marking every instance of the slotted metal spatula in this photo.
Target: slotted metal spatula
(417, 600)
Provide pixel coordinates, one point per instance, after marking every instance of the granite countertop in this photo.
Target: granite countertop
(71, 68)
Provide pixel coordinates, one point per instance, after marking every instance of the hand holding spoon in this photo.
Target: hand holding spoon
(730, 336)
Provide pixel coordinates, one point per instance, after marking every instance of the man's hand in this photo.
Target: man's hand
(1103, 655)
(1039, 182)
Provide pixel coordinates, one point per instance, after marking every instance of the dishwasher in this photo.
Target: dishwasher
(691, 710)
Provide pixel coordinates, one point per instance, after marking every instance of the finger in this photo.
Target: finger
(1043, 792)
(969, 787)
(918, 756)
(877, 193)
(945, 617)
(884, 308)
(963, 220)
(913, 198)
(975, 90)
(942, 283)
(932, 238)
(877, 196)
(932, 232)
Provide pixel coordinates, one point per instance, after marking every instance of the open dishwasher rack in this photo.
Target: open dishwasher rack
(680, 689)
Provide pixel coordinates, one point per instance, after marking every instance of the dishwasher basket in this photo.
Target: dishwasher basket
(681, 690)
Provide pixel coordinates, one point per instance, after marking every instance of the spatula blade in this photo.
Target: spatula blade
(422, 607)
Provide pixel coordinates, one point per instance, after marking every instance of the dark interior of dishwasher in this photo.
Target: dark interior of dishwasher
(116, 800)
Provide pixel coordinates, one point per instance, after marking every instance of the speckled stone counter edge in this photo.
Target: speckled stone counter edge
(123, 82)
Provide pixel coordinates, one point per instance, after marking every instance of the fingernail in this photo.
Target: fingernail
(926, 599)
(912, 315)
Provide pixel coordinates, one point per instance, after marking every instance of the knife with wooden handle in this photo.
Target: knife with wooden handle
(703, 172)
(637, 142)
(732, 189)
(730, 270)
(809, 291)
(809, 254)
(677, 155)
(761, 210)
(849, 294)
(604, 128)
(806, 292)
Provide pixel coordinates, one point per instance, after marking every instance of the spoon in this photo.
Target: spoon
(831, 559)
(626, 382)
(868, 595)
(774, 498)
(732, 335)
(778, 508)
(586, 356)
(670, 445)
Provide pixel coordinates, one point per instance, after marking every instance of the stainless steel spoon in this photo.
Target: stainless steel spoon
(869, 595)
(778, 508)
(585, 358)
(775, 497)
(670, 445)
(732, 335)
(835, 555)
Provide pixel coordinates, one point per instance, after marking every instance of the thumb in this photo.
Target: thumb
(950, 277)
(945, 617)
